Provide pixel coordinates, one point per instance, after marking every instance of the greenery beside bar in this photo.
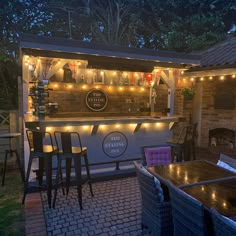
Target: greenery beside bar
(11, 209)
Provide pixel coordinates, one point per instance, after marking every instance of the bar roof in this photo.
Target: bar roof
(106, 56)
(219, 59)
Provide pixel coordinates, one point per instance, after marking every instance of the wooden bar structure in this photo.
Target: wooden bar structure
(119, 99)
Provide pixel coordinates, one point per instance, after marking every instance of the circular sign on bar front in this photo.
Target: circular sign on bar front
(115, 144)
(96, 100)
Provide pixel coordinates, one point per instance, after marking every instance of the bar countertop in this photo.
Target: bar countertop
(28, 118)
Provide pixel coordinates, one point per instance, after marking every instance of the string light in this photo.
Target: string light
(222, 77)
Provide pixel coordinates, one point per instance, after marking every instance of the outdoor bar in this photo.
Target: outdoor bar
(118, 99)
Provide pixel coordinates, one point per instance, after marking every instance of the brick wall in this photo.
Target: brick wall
(119, 101)
(212, 118)
(161, 99)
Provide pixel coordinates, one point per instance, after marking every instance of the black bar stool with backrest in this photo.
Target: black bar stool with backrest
(41, 147)
(70, 148)
(9, 152)
(193, 136)
(180, 145)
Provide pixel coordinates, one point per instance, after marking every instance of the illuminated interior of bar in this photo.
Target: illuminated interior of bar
(118, 102)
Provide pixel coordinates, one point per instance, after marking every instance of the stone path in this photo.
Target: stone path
(115, 209)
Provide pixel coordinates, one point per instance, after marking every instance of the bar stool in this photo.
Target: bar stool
(181, 145)
(70, 148)
(41, 147)
(193, 136)
(11, 151)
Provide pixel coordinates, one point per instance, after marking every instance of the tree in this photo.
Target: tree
(16, 16)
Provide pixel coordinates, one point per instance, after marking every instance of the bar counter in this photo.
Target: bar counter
(109, 140)
(30, 119)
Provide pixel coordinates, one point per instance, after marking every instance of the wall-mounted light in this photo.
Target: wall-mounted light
(68, 128)
(48, 129)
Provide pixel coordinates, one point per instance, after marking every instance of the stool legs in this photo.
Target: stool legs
(68, 171)
(78, 174)
(88, 174)
(47, 161)
(77, 164)
(5, 165)
(48, 167)
(27, 178)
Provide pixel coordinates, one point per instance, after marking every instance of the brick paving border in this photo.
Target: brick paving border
(35, 224)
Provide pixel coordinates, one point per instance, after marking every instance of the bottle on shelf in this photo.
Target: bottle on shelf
(39, 93)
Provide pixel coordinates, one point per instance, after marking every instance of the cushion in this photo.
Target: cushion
(156, 181)
(158, 155)
(226, 166)
(228, 160)
(230, 220)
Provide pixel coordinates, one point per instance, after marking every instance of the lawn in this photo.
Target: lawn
(11, 209)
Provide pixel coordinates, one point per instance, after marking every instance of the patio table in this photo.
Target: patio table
(190, 173)
(220, 195)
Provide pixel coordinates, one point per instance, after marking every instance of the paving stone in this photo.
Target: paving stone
(115, 209)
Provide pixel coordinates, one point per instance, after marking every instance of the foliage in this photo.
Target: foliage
(16, 16)
(9, 71)
(11, 209)
(180, 25)
(188, 93)
(171, 25)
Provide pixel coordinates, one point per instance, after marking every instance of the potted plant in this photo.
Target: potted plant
(188, 93)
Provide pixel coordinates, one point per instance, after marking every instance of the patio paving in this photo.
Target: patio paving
(115, 209)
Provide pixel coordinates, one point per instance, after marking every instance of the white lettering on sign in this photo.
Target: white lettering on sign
(115, 144)
(96, 100)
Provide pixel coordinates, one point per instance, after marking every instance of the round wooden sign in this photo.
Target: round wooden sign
(96, 100)
(115, 144)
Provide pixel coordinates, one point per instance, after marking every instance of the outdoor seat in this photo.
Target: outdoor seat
(184, 145)
(231, 161)
(158, 155)
(70, 148)
(156, 210)
(187, 212)
(9, 152)
(222, 225)
(41, 147)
